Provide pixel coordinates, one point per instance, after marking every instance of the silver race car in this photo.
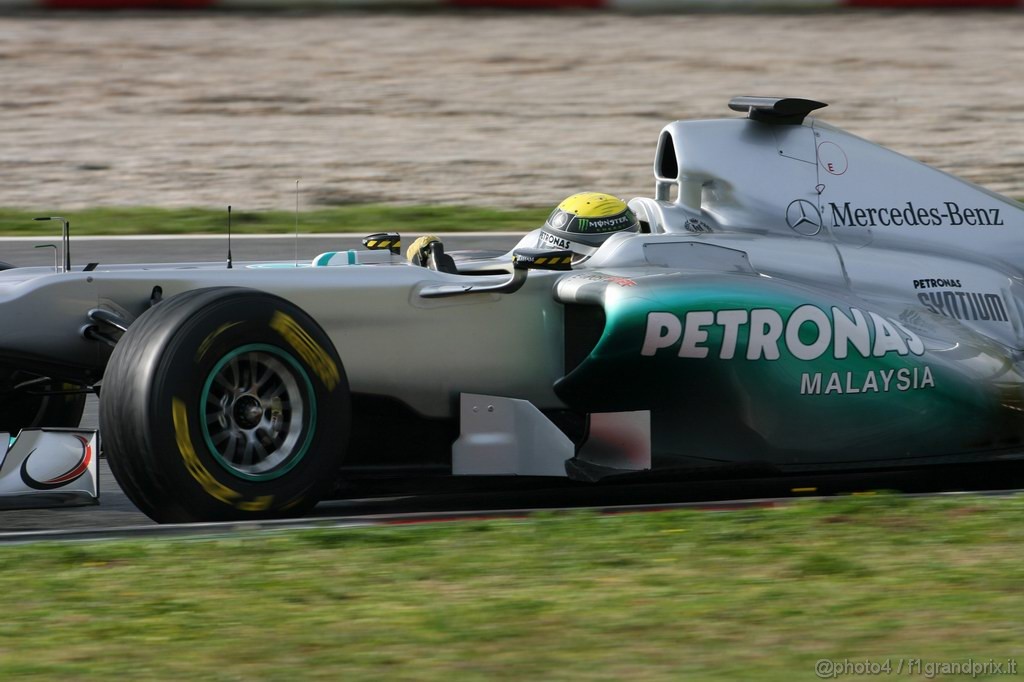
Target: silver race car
(792, 298)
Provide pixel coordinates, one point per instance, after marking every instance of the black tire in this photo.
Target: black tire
(26, 408)
(193, 421)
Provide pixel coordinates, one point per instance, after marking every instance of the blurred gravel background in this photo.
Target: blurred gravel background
(489, 109)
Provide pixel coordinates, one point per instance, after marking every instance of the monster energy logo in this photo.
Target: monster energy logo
(604, 224)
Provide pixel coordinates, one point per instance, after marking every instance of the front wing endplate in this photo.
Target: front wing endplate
(49, 468)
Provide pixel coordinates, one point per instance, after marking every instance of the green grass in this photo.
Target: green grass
(753, 594)
(365, 218)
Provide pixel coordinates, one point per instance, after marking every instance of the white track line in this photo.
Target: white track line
(421, 517)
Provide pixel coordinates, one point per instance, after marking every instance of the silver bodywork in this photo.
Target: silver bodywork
(811, 203)
(367, 310)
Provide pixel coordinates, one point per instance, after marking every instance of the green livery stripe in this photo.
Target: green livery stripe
(324, 258)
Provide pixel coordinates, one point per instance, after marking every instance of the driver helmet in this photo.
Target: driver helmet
(584, 221)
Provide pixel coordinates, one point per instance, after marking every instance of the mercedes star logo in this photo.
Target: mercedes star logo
(803, 217)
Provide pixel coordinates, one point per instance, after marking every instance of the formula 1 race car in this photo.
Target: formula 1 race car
(795, 298)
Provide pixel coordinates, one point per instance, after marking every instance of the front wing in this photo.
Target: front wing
(49, 467)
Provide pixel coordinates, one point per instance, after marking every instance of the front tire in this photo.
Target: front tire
(223, 404)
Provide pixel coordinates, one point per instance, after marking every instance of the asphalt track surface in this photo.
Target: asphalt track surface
(414, 502)
(116, 516)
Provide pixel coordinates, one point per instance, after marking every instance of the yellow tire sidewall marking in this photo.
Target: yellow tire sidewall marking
(308, 349)
(199, 472)
(260, 503)
(208, 341)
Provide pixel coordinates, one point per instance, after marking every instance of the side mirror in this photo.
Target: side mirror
(380, 241)
(523, 260)
(541, 259)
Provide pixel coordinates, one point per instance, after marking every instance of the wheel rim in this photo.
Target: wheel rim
(258, 412)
